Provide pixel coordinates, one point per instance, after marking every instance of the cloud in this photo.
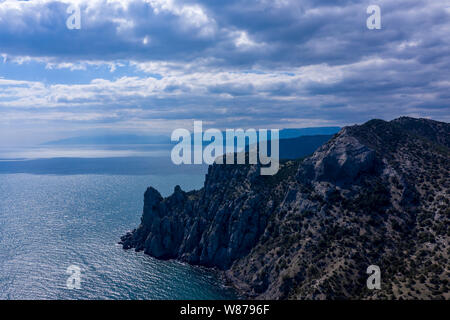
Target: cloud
(230, 63)
(234, 33)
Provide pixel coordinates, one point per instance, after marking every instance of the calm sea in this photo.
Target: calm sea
(49, 222)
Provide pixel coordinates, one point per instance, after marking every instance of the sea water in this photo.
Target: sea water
(50, 222)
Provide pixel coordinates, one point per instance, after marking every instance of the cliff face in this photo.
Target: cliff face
(374, 194)
(213, 226)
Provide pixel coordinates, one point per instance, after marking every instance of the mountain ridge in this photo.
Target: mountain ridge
(375, 194)
(113, 139)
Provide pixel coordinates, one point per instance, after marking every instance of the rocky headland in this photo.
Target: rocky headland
(374, 194)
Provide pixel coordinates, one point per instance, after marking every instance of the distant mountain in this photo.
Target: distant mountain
(289, 149)
(165, 139)
(375, 194)
(295, 133)
(112, 140)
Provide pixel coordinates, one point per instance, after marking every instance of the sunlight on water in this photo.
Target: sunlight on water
(49, 222)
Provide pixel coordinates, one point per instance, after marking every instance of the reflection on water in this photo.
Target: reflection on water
(49, 222)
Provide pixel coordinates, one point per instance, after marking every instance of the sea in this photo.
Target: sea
(60, 212)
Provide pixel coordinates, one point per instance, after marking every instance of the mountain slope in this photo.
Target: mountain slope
(375, 194)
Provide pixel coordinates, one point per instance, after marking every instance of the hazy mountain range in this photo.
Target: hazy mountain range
(290, 148)
(113, 139)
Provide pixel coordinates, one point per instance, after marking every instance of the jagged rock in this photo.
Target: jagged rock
(374, 194)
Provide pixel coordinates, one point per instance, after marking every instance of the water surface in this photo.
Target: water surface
(49, 222)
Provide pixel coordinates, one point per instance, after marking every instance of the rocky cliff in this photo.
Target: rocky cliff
(375, 194)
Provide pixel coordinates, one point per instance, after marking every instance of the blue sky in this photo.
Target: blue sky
(150, 66)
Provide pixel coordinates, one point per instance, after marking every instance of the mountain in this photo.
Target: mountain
(313, 131)
(110, 139)
(137, 165)
(375, 194)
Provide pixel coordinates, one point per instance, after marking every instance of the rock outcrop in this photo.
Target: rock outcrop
(212, 227)
(375, 194)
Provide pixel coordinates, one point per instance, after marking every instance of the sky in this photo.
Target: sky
(150, 66)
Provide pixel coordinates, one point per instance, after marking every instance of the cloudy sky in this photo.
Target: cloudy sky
(148, 66)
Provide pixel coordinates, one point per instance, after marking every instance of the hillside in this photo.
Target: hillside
(375, 194)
